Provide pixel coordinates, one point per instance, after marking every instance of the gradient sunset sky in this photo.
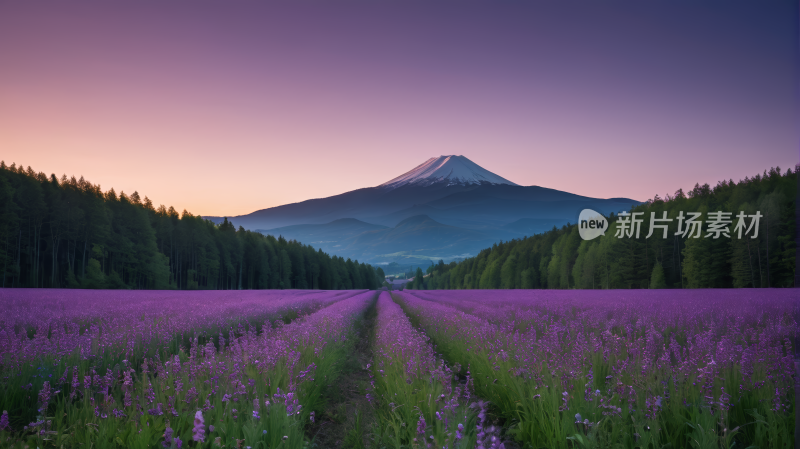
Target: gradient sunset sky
(224, 108)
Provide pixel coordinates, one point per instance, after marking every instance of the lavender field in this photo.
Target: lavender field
(168, 369)
(636, 368)
(447, 369)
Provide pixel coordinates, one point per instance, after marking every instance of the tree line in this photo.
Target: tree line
(560, 259)
(68, 233)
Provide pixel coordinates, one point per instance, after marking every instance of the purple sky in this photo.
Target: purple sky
(229, 107)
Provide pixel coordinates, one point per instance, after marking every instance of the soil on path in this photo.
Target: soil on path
(349, 417)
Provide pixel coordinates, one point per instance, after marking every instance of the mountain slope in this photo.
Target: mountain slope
(357, 204)
(419, 238)
(498, 205)
(328, 236)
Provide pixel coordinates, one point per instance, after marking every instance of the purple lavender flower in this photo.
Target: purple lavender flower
(421, 425)
(75, 383)
(167, 437)
(156, 411)
(198, 433)
(4, 421)
(44, 397)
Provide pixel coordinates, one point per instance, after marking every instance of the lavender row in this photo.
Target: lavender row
(632, 305)
(47, 322)
(421, 400)
(722, 325)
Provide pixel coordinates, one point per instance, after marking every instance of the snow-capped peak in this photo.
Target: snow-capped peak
(451, 170)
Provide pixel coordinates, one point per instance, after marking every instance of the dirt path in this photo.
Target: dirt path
(349, 417)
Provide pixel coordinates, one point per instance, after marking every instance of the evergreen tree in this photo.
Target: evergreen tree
(657, 279)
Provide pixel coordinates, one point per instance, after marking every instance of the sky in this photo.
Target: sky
(224, 108)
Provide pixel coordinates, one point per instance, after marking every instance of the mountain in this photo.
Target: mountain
(417, 239)
(463, 201)
(449, 170)
(531, 226)
(330, 237)
(493, 206)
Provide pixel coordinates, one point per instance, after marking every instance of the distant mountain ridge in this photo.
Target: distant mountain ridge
(328, 236)
(421, 237)
(449, 191)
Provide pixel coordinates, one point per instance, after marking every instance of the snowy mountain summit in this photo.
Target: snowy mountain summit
(448, 170)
